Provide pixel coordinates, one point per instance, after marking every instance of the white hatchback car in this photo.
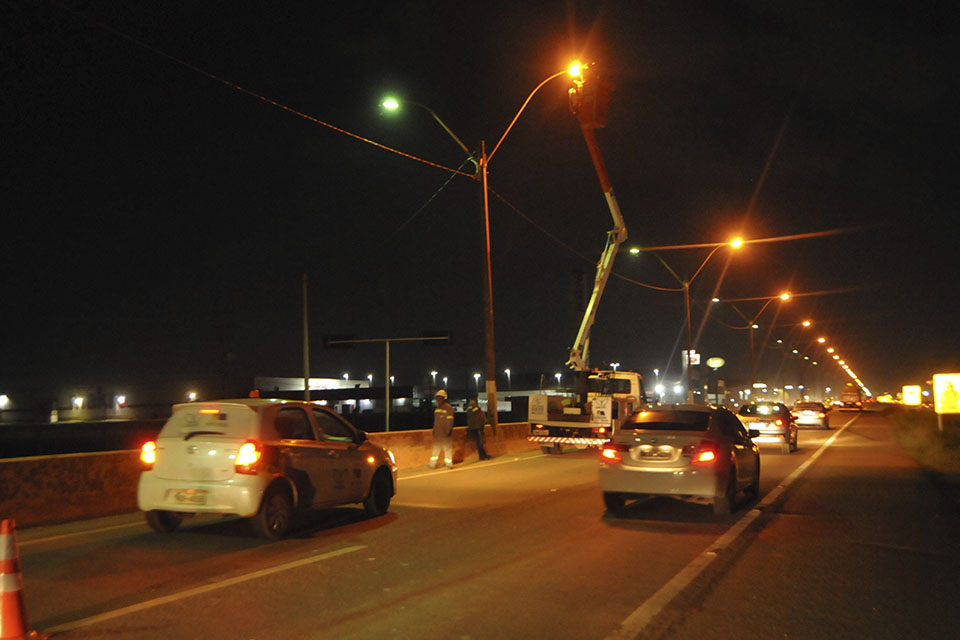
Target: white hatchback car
(260, 459)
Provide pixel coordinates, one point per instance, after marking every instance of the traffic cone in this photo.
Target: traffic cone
(13, 611)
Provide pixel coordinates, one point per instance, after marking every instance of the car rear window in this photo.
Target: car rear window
(669, 421)
(808, 405)
(231, 421)
(759, 410)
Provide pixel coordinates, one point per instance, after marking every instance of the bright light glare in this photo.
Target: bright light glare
(575, 68)
(736, 243)
(706, 456)
(248, 454)
(148, 452)
(785, 296)
(390, 103)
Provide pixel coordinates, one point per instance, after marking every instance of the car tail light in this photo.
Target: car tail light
(611, 452)
(823, 415)
(779, 422)
(705, 454)
(248, 457)
(148, 453)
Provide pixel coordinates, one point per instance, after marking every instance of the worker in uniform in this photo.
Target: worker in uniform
(476, 421)
(442, 431)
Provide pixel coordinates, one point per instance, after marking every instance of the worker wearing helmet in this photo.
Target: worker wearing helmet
(442, 431)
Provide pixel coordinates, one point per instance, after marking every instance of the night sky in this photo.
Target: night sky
(157, 220)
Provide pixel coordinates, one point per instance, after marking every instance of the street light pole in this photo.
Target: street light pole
(481, 164)
(488, 328)
(736, 243)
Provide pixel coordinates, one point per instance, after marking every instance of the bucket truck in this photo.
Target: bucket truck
(602, 399)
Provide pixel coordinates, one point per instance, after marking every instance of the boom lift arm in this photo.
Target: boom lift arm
(589, 98)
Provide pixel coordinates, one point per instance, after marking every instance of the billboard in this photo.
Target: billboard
(911, 395)
(946, 392)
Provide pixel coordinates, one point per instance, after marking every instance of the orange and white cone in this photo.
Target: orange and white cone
(13, 611)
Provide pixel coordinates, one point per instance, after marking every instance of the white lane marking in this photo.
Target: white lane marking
(24, 543)
(636, 622)
(189, 593)
(438, 471)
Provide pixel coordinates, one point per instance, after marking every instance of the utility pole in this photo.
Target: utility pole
(306, 344)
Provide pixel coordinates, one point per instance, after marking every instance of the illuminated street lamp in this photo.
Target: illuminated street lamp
(614, 365)
(346, 376)
(558, 376)
(433, 378)
(735, 244)
(507, 371)
(482, 164)
(191, 396)
(370, 379)
(444, 382)
(476, 380)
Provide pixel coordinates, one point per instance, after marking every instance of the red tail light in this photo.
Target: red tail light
(611, 452)
(148, 453)
(248, 457)
(706, 454)
(823, 415)
(779, 422)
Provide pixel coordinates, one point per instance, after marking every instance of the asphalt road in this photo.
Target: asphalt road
(848, 540)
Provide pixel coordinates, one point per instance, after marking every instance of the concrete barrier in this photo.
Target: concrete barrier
(60, 488)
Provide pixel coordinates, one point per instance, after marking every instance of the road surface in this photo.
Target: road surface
(849, 539)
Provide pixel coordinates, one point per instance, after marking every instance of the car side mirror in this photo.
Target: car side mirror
(754, 433)
(361, 436)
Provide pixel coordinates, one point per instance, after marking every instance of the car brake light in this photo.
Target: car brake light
(248, 457)
(779, 422)
(611, 453)
(705, 454)
(148, 453)
(823, 415)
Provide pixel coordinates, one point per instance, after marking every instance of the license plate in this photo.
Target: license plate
(190, 496)
(540, 432)
(655, 454)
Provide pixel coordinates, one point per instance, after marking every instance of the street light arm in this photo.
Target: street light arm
(449, 131)
(524, 106)
(667, 267)
(704, 263)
